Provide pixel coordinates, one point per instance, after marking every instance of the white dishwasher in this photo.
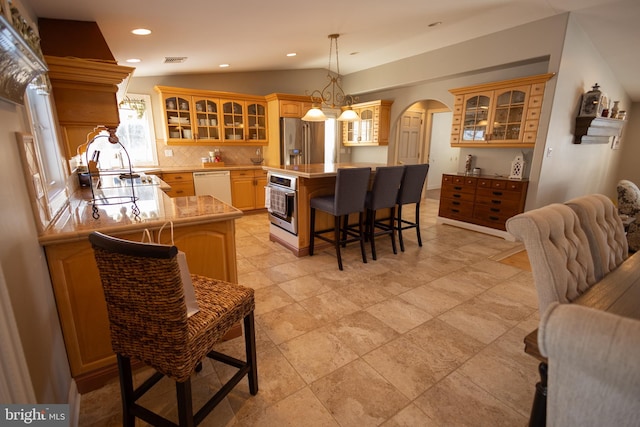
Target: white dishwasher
(214, 183)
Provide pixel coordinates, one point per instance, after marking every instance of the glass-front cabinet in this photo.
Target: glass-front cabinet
(257, 121)
(372, 126)
(194, 117)
(207, 119)
(504, 114)
(494, 116)
(233, 120)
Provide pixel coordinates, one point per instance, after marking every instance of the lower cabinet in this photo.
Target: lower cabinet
(181, 184)
(483, 201)
(247, 188)
(210, 250)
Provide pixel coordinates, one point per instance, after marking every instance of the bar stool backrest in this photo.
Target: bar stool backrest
(386, 185)
(351, 189)
(412, 183)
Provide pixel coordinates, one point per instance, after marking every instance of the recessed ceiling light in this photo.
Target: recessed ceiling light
(141, 32)
(133, 60)
(291, 54)
(224, 65)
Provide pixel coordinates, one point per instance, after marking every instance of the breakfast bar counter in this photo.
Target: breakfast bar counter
(313, 180)
(203, 227)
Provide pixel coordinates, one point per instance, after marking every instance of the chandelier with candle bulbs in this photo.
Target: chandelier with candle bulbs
(331, 95)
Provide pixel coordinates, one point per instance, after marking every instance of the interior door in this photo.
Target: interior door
(410, 138)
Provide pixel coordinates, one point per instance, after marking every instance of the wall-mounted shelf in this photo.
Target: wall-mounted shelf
(18, 61)
(597, 130)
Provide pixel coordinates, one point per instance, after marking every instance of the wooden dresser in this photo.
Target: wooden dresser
(480, 200)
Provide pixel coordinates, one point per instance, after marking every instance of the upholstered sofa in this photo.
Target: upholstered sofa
(629, 204)
(594, 368)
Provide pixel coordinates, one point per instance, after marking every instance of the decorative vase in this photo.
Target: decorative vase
(614, 110)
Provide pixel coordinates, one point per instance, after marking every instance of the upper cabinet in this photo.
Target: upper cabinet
(372, 127)
(499, 114)
(196, 117)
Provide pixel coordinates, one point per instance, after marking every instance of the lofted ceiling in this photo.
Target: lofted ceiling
(253, 35)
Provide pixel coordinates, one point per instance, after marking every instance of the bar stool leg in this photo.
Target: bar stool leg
(393, 230)
(370, 231)
(418, 224)
(336, 233)
(361, 230)
(399, 227)
(312, 220)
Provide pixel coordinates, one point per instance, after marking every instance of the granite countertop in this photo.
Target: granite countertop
(195, 168)
(318, 170)
(116, 212)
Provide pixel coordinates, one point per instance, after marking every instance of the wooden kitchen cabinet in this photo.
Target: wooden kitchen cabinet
(199, 117)
(181, 184)
(247, 189)
(191, 118)
(372, 127)
(488, 202)
(498, 114)
(210, 250)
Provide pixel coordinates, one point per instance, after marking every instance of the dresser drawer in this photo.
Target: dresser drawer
(456, 183)
(449, 192)
(487, 195)
(455, 209)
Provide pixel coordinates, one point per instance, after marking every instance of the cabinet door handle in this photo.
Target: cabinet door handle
(497, 193)
(496, 202)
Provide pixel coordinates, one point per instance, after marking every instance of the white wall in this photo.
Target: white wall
(27, 277)
(629, 167)
(576, 169)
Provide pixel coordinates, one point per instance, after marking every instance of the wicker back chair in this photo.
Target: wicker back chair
(148, 321)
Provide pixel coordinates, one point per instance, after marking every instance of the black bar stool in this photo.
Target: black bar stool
(383, 195)
(411, 192)
(350, 191)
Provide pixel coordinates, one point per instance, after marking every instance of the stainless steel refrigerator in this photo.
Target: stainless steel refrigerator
(301, 142)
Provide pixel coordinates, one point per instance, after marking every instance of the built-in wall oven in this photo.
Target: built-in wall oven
(282, 199)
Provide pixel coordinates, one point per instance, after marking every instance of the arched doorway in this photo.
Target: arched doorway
(423, 132)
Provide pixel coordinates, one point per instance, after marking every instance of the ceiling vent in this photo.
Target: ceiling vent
(174, 59)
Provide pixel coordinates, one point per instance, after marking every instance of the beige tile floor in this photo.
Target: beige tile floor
(429, 337)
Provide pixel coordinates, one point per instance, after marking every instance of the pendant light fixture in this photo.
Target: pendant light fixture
(332, 95)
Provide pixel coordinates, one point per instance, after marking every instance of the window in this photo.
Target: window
(47, 168)
(136, 130)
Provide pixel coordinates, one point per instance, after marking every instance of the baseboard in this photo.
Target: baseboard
(74, 399)
(479, 228)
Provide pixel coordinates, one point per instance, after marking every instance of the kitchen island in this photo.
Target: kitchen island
(203, 227)
(313, 180)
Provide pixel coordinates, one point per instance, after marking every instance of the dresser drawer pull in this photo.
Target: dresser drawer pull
(455, 203)
(495, 210)
(457, 188)
(494, 218)
(455, 210)
(496, 202)
(497, 193)
(457, 196)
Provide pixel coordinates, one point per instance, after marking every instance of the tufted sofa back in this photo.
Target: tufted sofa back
(601, 223)
(558, 251)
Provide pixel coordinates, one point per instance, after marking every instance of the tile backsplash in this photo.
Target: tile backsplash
(192, 155)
